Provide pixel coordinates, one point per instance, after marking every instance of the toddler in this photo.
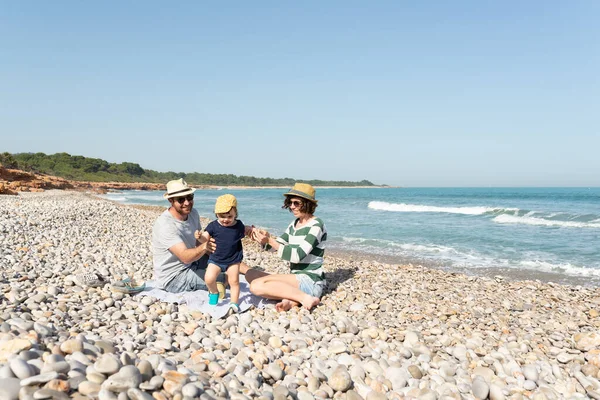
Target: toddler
(228, 232)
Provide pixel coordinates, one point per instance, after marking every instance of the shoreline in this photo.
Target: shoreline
(509, 274)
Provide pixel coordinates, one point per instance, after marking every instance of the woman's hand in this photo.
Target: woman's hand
(260, 236)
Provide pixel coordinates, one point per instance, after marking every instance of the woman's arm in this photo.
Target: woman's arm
(295, 253)
(265, 239)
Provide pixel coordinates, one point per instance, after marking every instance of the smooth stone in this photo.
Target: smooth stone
(62, 367)
(105, 346)
(9, 388)
(95, 377)
(75, 381)
(145, 369)
(128, 377)
(43, 330)
(50, 394)
(105, 394)
(14, 346)
(21, 369)
(496, 392)
(87, 388)
(275, 342)
(137, 394)
(530, 372)
(415, 371)
(486, 373)
(71, 346)
(153, 384)
(480, 388)
(107, 364)
(352, 395)
(6, 372)
(529, 385)
(39, 379)
(274, 371)
(340, 379)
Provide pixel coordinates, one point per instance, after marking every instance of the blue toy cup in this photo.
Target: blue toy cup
(213, 299)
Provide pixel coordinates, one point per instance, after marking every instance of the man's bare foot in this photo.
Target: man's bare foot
(310, 302)
(285, 305)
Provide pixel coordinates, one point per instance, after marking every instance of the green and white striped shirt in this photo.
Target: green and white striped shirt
(304, 248)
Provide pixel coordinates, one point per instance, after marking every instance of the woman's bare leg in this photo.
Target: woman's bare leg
(280, 287)
(286, 305)
(252, 274)
(244, 268)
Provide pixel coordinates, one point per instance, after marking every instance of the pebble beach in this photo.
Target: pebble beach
(382, 331)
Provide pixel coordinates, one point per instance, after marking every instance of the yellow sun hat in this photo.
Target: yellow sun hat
(303, 190)
(225, 203)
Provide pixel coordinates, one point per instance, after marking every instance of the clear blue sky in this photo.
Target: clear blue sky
(431, 93)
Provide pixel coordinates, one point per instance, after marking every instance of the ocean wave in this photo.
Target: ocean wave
(470, 260)
(564, 268)
(402, 207)
(530, 220)
(120, 199)
(411, 247)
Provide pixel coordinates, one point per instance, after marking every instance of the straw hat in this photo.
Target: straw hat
(225, 203)
(303, 190)
(178, 188)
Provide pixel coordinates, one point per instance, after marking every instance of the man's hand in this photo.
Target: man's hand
(188, 256)
(210, 245)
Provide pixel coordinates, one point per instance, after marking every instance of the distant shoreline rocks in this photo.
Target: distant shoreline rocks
(14, 181)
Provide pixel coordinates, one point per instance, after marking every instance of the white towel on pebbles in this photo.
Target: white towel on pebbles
(198, 300)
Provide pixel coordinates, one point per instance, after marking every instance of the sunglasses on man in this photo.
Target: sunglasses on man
(181, 200)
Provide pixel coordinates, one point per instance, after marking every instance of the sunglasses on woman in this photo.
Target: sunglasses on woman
(181, 200)
(295, 203)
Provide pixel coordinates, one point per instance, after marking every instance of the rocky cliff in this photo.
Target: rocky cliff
(13, 181)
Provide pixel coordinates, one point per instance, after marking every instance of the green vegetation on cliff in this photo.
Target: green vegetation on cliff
(81, 168)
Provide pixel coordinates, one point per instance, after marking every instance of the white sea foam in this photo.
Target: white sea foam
(529, 220)
(409, 247)
(120, 199)
(468, 259)
(402, 207)
(564, 268)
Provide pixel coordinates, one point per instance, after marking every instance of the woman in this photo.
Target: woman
(302, 244)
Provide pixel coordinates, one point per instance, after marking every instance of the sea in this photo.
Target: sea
(547, 234)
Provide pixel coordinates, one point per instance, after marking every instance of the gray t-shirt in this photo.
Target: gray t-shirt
(167, 232)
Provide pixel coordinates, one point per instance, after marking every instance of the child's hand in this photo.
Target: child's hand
(198, 235)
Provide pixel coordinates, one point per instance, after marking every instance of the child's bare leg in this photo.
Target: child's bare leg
(233, 276)
(212, 271)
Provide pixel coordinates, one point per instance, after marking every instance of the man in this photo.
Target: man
(179, 259)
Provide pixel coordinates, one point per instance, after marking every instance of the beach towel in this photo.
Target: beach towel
(198, 299)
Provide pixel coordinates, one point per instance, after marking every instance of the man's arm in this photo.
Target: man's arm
(188, 256)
